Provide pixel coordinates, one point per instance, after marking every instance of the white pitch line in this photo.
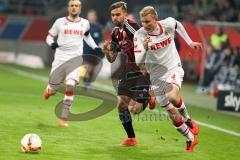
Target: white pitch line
(109, 88)
(210, 126)
(218, 128)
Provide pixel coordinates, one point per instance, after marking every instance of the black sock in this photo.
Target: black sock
(126, 120)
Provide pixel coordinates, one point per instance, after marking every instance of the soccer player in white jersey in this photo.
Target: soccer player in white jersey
(70, 32)
(154, 45)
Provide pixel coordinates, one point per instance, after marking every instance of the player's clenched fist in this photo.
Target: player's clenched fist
(145, 43)
(106, 47)
(196, 46)
(108, 50)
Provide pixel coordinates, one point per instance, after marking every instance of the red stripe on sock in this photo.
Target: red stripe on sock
(69, 93)
(187, 131)
(180, 103)
(179, 122)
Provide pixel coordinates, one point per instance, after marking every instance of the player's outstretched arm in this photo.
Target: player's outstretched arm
(181, 30)
(196, 46)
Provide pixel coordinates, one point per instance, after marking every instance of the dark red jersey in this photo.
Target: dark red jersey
(122, 41)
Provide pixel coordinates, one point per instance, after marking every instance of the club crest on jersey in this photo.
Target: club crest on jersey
(161, 44)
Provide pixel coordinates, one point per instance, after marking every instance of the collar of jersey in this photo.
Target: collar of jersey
(76, 21)
(158, 34)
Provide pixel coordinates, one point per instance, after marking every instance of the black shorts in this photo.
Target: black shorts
(90, 58)
(136, 86)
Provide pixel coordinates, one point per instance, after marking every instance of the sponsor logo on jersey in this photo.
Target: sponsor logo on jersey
(73, 32)
(161, 44)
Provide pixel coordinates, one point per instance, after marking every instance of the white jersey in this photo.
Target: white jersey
(161, 47)
(70, 35)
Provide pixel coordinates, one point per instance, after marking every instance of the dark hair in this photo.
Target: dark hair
(121, 4)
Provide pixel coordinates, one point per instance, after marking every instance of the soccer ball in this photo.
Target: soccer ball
(31, 143)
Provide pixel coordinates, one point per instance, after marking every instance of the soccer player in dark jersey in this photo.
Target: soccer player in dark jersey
(132, 83)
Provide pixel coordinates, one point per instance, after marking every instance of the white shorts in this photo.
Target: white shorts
(162, 83)
(174, 76)
(61, 72)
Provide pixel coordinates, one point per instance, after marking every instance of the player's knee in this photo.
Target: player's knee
(123, 103)
(173, 99)
(71, 83)
(135, 108)
(122, 106)
(173, 96)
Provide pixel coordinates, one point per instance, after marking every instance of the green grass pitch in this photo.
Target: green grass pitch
(23, 110)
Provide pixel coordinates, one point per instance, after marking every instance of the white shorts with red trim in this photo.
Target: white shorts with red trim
(73, 75)
(162, 84)
(174, 76)
(63, 72)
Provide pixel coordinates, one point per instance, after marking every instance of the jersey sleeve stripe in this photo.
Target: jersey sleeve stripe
(137, 51)
(130, 28)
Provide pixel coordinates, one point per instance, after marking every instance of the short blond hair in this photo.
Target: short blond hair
(74, 1)
(148, 10)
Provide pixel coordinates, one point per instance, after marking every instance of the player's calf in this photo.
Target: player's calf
(184, 112)
(181, 126)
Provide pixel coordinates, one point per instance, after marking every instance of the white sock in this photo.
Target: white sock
(184, 130)
(183, 110)
(67, 103)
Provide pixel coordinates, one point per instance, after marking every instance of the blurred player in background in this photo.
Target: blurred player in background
(92, 59)
(155, 46)
(70, 32)
(132, 86)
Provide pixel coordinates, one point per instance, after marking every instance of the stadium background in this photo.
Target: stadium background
(24, 25)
